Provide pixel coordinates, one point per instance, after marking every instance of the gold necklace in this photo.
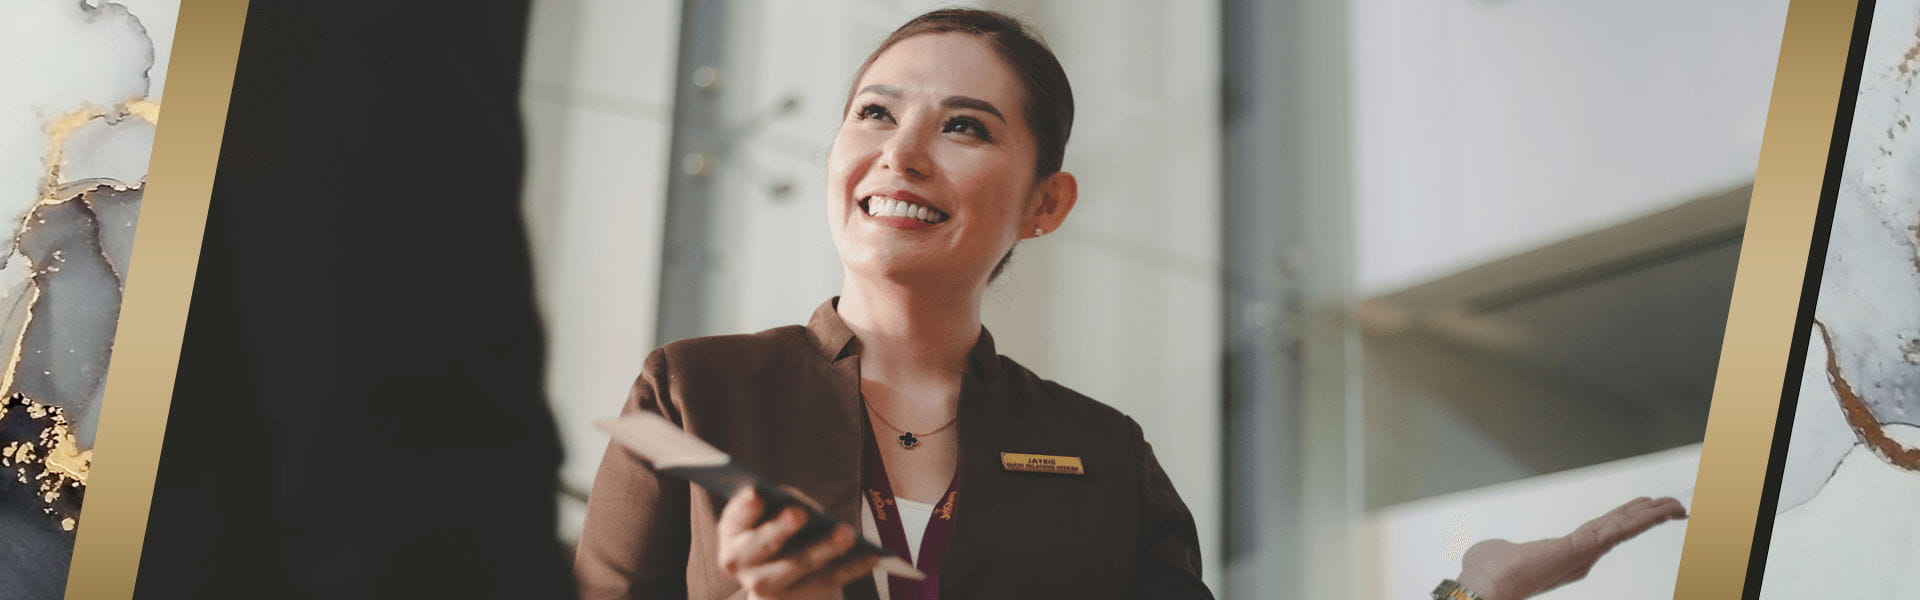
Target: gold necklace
(908, 439)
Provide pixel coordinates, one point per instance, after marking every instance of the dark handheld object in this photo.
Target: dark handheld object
(675, 452)
(722, 482)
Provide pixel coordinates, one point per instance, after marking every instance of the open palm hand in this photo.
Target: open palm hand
(1503, 570)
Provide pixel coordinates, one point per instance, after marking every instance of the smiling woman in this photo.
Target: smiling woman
(948, 154)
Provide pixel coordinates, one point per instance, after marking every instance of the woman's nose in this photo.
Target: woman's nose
(906, 153)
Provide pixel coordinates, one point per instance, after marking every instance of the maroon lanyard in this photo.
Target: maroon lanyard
(893, 534)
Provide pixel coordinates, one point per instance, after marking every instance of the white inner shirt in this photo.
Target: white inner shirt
(913, 520)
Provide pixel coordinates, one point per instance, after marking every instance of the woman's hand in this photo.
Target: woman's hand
(1503, 570)
(752, 554)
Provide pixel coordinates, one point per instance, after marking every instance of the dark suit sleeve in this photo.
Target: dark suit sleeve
(1167, 565)
(634, 544)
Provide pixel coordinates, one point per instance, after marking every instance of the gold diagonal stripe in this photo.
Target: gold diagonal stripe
(1766, 298)
(153, 312)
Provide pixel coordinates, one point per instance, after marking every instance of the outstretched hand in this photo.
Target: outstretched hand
(1503, 570)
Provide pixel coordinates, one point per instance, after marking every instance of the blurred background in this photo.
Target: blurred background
(1379, 278)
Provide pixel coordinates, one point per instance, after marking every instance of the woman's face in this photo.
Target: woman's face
(931, 176)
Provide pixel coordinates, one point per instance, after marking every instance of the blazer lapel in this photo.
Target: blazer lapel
(847, 507)
(980, 496)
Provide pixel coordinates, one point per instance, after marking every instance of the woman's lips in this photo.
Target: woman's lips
(902, 222)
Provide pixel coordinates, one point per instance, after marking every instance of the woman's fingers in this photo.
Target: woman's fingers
(1628, 508)
(744, 544)
(847, 569)
(1671, 507)
(763, 543)
(1643, 518)
(740, 513)
(1626, 522)
(799, 568)
(752, 553)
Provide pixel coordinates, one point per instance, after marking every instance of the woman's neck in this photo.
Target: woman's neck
(909, 335)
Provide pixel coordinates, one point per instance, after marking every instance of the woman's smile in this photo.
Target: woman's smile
(901, 210)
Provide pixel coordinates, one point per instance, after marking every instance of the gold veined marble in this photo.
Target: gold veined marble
(56, 346)
(42, 455)
(1844, 523)
(1869, 428)
(58, 129)
(145, 109)
(121, 132)
(84, 82)
(66, 459)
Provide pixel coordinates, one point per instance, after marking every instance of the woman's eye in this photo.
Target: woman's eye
(873, 111)
(967, 126)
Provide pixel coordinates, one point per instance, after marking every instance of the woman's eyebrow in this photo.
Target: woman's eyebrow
(975, 104)
(951, 101)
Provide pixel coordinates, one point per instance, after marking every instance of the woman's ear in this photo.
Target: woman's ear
(1058, 192)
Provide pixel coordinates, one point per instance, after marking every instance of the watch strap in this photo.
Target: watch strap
(1452, 590)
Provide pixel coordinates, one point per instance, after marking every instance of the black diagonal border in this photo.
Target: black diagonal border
(1849, 99)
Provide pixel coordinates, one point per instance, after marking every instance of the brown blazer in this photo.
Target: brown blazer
(786, 402)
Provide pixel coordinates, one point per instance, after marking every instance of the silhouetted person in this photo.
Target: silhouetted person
(359, 409)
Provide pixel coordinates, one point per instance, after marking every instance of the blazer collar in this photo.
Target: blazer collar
(834, 340)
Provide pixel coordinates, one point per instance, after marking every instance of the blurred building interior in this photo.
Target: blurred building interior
(1369, 273)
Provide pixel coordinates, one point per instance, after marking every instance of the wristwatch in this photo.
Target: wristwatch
(1452, 590)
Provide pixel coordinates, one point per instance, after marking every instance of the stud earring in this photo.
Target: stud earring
(1037, 232)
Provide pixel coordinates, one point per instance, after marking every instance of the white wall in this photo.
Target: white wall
(1484, 128)
(597, 104)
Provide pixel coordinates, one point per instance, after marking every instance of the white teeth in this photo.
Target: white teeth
(888, 207)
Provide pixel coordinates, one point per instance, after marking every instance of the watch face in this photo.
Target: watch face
(1451, 590)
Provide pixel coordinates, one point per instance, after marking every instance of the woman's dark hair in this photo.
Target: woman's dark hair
(1048, 101)
(1048, 105)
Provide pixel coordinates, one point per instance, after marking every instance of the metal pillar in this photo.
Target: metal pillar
(1292, 446)
(689, 232)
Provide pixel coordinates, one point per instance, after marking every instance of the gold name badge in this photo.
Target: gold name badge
(1041, 463)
